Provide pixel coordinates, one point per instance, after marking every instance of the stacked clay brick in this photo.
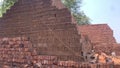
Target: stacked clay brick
(18, 52)
(116, 49)
(47, 24)
(15, 52)
(100, 35)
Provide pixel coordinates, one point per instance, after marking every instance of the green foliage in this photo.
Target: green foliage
(6, 4)
(81, 18)
(0, 11)
(74, 7)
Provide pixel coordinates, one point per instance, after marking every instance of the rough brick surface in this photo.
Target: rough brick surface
(98, 33)
(116, 49)
(52, 35)
(19, 52)
(100, 36)
(47, 23)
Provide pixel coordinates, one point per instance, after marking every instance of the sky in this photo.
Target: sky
(104, 12)
(1, 2)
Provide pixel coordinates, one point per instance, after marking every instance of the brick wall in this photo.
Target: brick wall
(47, 24)
(100, 35)
(50, 29)
(18, 52)
(116, 49)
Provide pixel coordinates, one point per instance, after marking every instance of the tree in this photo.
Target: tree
(81, 18)
(74, 7)
(6, 4)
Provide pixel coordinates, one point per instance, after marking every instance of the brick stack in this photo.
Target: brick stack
(47, 24)
(100, 35)
(19, 52)
(116, 49)
(15, 52)
(104, 47)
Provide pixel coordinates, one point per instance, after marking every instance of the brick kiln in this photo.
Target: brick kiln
(43, 33)
(47, 24)
(98, 33)
(101, 37)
